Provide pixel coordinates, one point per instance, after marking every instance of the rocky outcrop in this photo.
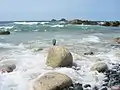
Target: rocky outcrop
(59, 56)
(99, 66)
(63, 19)
(4, 32)
(75, 21)
(53, 20)
(52, 81)
(111, 23)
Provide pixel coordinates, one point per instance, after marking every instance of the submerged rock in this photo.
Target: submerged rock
(7, 68)
(4, 32)
(89, 53)
(59, 56)
(52, 81)
(100, 67)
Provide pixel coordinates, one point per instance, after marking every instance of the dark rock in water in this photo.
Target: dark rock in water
(95, 88)
(11, 68)
(105, 84)
(54, 42)
(4, 32)
(87, 85)
(78, 86)
(63, 19)
(89, 53)
(8, 68)
(53, 20)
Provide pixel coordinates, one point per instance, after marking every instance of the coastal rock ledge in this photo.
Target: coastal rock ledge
(52, 81)
(59, 56)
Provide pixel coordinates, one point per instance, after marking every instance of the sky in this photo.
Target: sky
(69, 9)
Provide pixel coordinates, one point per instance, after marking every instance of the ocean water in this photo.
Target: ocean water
(28, 44)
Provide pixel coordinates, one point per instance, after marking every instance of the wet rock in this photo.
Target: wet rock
(53, 20)
(95, 88)
(117, 40)
(4, 32)
(52, 81)
(59, 56)
(78, 86)
(87, 85)
(89, 53)
(75, 21)
(99, 66)
(7, 68)
(105, 84)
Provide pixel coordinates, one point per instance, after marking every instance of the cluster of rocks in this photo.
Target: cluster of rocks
(59, 56)
(89, 22)
(111, 23)
(112, 77)
(84, 22)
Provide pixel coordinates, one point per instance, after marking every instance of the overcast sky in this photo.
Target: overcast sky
(70, 9)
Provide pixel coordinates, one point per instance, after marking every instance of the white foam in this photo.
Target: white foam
(94, 39)
(7, 45)
(44, 23)
(6, 27)
(26, 23)
(57, 25)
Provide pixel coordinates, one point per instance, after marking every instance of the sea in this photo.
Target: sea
(27, 47)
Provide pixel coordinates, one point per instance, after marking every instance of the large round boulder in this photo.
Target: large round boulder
(99, 66)
(52, 81)
(59, 56)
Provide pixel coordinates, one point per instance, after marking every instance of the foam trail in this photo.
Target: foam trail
(26, 23)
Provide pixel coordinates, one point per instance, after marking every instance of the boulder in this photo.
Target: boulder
(59, 56)
(99, 66)
(4, 32)
(52, 81)
(53, 20)
(117, 40)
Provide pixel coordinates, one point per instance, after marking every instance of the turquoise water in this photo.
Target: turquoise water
(28, 43)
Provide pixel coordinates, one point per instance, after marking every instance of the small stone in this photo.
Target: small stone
(87, 85)
(89, 53)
